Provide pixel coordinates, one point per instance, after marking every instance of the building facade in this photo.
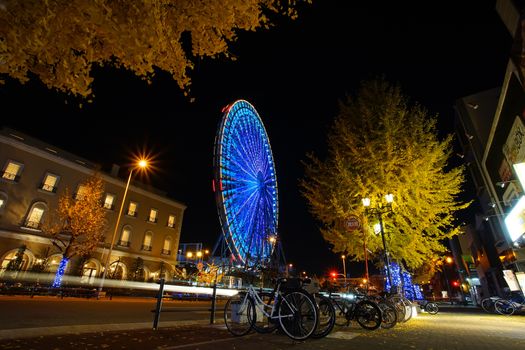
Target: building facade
(33, 176)
(491, 129)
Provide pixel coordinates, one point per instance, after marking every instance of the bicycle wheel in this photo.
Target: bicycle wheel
(388, 315)
(408, 308)
(238, 315)
(342, 310)
(400, 308)
(504, 307)
(326, 317)
(431, 308)
(368, 315)
(487, 304)
(263, 324)
(297, 315)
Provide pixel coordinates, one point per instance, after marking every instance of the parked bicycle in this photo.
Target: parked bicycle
(365, 312)
(288, 306)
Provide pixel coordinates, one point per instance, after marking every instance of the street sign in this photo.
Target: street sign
(353, 223)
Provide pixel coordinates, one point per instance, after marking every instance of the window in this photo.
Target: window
(109, 201)
(12, 170)
(132, 209)
(153, 215)
(50, 183)
(125, 236)
(166, 249)
(81, 191)
(35, 216)
(171, 221)
(146, 244)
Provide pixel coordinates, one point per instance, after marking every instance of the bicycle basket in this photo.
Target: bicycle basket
(291, 284)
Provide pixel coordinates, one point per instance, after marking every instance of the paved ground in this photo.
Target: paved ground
(452, 328)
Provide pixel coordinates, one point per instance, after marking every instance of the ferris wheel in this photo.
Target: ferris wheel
(245, 185)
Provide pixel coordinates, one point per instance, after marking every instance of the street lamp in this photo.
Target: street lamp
(344, 266)
(141, 164)
(379, 211)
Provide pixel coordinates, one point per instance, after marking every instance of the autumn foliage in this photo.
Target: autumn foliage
(381, 144)
(78, 224)
(60, 40)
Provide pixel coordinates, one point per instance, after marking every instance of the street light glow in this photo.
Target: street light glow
(389, 198)
(143, 163)
(366, 202)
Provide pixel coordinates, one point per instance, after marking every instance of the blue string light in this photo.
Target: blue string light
(402, 280)
(60, 273)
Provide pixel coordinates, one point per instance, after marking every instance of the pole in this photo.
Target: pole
(159, 305)
(104, 273)
(387, 260)
(213, 298)
(344, 268)
(366, 264)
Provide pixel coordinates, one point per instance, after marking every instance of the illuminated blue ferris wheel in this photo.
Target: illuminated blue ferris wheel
(245, 185)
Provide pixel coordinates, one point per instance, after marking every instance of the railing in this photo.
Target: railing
(152, 220)
(33, 224)
(165, 252)
(146, 248)
(109, 206)
(132, 213)
(48, 188)
(10, 176)
(123, 243)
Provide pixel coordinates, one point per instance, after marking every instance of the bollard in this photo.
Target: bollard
(159, 304)
(213, 297)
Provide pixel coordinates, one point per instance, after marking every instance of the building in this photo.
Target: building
(491, 129)
(34, 175)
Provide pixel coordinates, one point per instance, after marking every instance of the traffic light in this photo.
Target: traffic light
(455, 283)
(333, 274)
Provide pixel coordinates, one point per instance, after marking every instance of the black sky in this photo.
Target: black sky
(294, 75)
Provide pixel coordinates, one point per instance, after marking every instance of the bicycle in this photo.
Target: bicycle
(294, 309)
(508, 307)
(365, 312)
(428, 306)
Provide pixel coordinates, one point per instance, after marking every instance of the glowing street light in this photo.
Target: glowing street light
(344, 266)
(141, 165)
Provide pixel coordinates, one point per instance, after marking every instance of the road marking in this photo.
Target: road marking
(206, 342)
(342, 335)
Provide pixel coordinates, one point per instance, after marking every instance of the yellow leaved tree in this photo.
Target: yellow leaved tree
(77, 225)
(60, 40)
(380, 144)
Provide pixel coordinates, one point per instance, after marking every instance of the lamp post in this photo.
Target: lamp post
(379, 211)
(344, 266)
(141, 164)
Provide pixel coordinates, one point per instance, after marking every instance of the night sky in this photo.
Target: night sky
(294, 74)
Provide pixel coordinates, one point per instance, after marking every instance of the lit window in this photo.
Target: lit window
(171, 221)
(109, 201)
(12, 171)
(125, 236)
(50, 183)
(81, 191)
(34, 219)
(166, 250)
(153, 215)
(2, 202)
(132, 209)
(146, 244)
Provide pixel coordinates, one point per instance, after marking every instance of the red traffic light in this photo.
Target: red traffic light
(333, 274)
(455, 283)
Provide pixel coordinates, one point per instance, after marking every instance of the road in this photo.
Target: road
(458, 328)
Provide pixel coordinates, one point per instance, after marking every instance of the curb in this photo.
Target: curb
(19, 333)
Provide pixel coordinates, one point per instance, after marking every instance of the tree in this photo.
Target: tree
(381, 144)
(136, 272)
(15, 264)
(77, 224)
(60, 40)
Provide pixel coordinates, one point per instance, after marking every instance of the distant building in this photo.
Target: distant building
(33, 175)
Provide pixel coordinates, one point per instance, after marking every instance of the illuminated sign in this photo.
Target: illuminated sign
(520, 171)
(515, 221)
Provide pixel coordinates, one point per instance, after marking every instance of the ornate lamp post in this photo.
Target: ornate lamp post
(379, 211)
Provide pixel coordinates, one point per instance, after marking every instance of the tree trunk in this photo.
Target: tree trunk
(57, 283)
